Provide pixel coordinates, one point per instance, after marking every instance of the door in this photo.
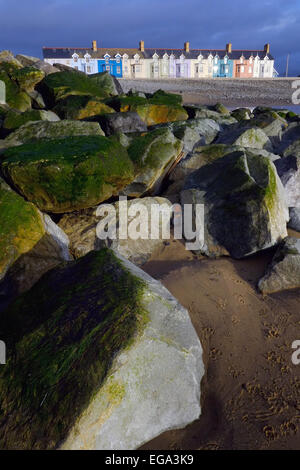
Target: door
(178, 74)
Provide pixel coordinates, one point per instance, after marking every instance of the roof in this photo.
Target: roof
(67, 53)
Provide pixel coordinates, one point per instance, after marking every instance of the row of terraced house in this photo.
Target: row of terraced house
(152, 63)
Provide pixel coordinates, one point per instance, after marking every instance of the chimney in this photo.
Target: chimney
(142, 46)
(229, 48)
(267, 48)
(187, 47)
(95, 46)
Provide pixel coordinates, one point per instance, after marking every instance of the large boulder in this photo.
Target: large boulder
(47, 68)
(81, 107)
(50, 130)
(284, 270)
(60, 85)
(8, 57)
(252, 137)
(121, 123)
(107, 82)
(245, 210)
(153, 154)
(160, 108)
(153, 114)
(288, 169)
(28, 77)
(205, 154)
(241, 114)
(84, 230)
(290, 140)
(195, 132)
(63, 175)
(30, 244)
(294, 222)
(271, 123)
(15, 119)
(222, 119)
(27, 60)
(104, 357)
(15, 97)
(2, 92)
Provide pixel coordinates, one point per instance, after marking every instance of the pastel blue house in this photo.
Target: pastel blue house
(222, 66)
(113, 65)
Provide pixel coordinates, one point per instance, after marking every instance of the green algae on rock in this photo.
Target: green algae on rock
(15, 97)
(244, 202)
(50, 130)
(62, 175)
(92, 309)
(21, 227)
(81, 107)
(14, 119)
(152, 154)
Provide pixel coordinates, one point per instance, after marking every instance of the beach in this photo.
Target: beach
(250, 393)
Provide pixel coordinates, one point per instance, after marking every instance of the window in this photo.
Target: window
(216, 60)
(137, 68)
(196, 69)
(250, 69)
(242, 69)
(201, 68)
(226, 70)
(88, 69)
(107, 68)
(126, 69)
(225, 60)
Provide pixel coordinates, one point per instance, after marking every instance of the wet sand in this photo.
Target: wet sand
(251, 392)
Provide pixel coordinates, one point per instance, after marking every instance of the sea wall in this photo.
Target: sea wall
(233, 92)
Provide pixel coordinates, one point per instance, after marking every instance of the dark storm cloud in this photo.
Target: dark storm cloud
(27, 26)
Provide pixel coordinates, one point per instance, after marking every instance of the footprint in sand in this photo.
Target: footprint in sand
(270, 433)
(214, 354)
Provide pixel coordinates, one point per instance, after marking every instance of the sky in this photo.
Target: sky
(26, 26)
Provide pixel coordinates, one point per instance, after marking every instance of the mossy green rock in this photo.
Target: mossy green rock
(14, 119)
(244, 203)
(284, 270)
(61, 337)
(21, 227)
(81, 107)
(160, 108)
(60, 85)
(95, 351)
(241, 114)
(28, 77)
(220, 108)
(15, 97)
(62, 175)
(33, 131)
(107, 83)
(152, 153)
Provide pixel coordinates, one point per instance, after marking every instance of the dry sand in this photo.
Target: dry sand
(251, 391)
